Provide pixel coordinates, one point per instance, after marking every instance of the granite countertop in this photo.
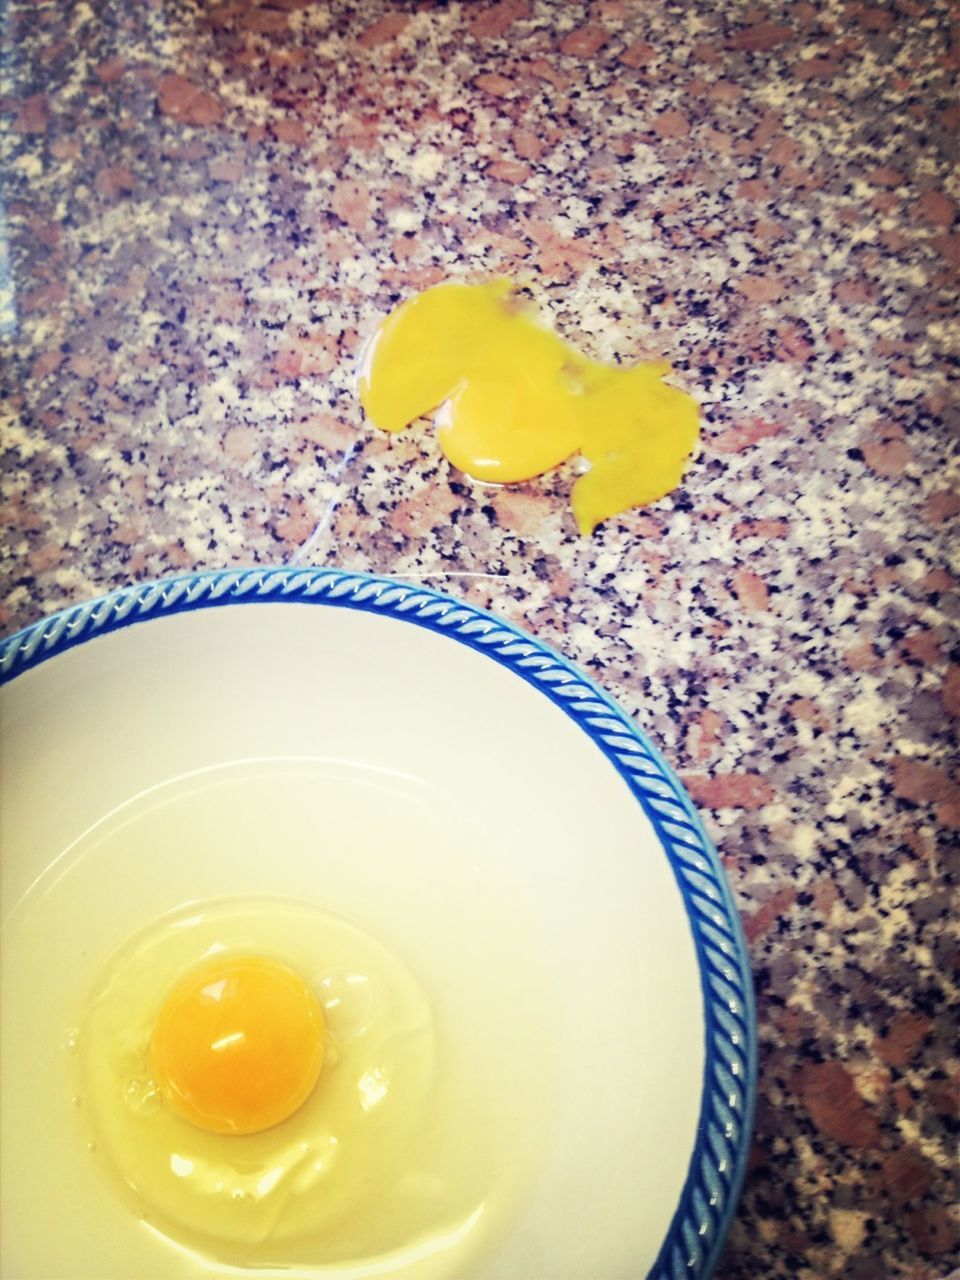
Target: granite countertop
(210, 207)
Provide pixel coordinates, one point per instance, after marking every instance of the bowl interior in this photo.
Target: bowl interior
(405, 781)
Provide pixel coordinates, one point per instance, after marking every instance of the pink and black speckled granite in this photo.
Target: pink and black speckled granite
(211, 205)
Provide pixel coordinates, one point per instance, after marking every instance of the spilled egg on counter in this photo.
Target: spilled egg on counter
(512, 400)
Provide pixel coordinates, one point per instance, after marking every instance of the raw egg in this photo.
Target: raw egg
(513, 400)
(257, 1106)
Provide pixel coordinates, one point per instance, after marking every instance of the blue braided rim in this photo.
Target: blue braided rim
(716, 1169)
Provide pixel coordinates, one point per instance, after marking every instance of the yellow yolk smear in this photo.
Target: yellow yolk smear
(238, 1045)
(513, 400)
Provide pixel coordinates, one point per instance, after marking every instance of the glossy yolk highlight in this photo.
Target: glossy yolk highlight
(516, 400)
(238, 1045)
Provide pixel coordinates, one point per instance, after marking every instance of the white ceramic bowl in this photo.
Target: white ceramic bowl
(349, 737)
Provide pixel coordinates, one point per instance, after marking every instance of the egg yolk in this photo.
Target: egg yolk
(238, 1044)
(517, 400)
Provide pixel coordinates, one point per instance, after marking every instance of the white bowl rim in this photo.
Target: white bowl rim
(696, 1234)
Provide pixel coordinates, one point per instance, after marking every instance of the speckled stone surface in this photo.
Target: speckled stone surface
(211, 206)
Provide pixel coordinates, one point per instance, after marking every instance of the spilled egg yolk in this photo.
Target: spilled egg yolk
(238, 1044)
(514, 400)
